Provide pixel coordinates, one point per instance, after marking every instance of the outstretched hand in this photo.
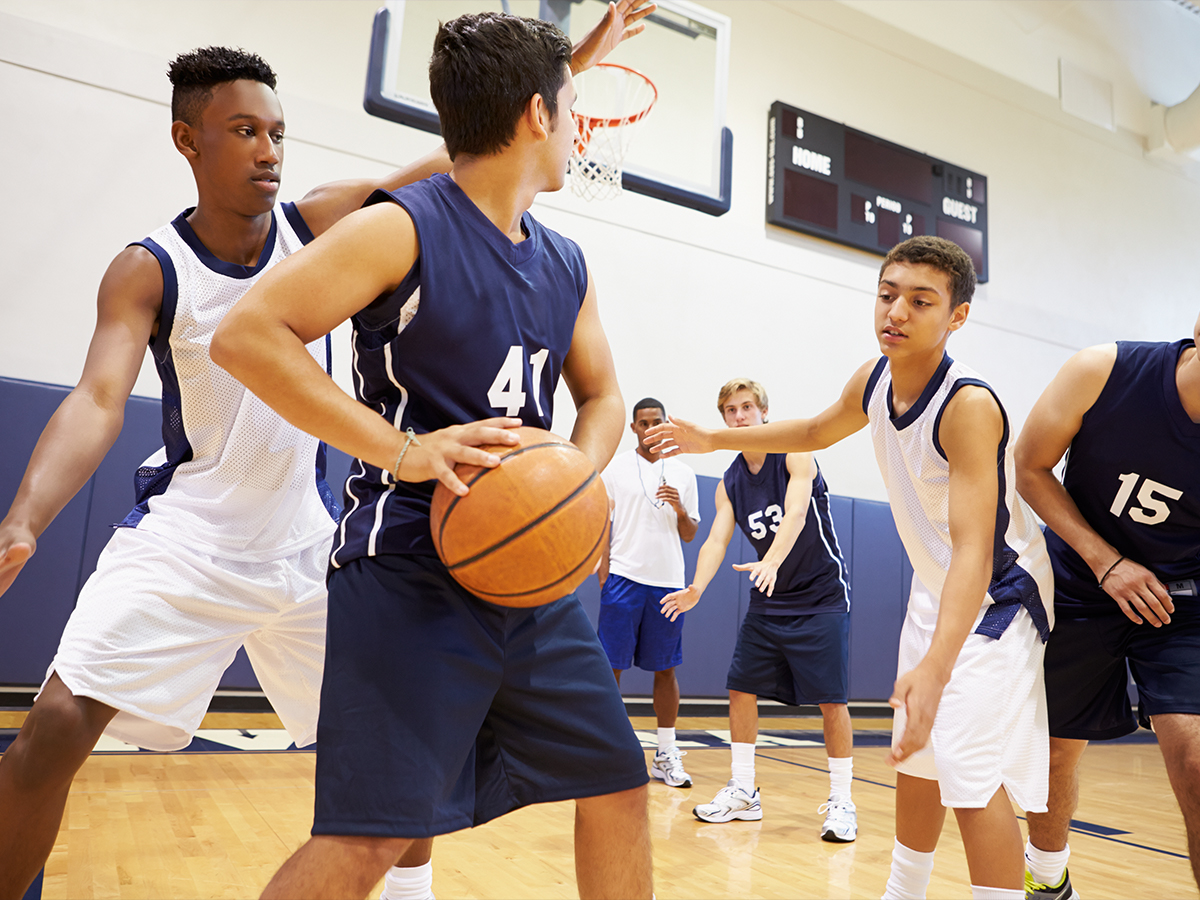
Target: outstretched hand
(676, 604)
(918, 692)
(439, 451)
(620, 22)
(762, 574)
(1138, 593)
(676, 436)
(16, 546)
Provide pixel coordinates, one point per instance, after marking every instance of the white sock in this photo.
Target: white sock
(412, 883)
(841, 773)
(742, 768)
(991, 893)
(1047, 866)
(666, 739)
(909, 878)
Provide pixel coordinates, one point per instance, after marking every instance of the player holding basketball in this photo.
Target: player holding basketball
(236, 499)
(799, 617)
(440, 711)
(1124, 540)
(655, 506)
(969, 699)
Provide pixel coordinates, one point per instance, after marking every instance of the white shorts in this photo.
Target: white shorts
(157, 625)
(991, 725)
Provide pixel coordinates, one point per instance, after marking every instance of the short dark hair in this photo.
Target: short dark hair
(648, 403)
(943, 255)
(195, 74)
(484, 70)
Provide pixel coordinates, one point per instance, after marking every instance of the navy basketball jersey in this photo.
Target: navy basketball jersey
(1134, 472)
(478, 328)
(813, 578)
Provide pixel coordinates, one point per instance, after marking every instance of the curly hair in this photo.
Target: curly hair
(943, 255)
(485, 69)
(194, 75)
(741, 384)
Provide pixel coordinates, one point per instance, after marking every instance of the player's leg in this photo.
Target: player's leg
(1047, 852)
(992, 841)
(612, 845)
(411, 878)
(1179, 739)
(660, 650)
(666, 699)
(919, 819)
(335, 866)
(35, 777)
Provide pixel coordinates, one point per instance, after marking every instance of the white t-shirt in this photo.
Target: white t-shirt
(645, 531)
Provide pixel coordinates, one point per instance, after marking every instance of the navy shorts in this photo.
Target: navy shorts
(440, 711)
(1086, 685)
(793, 659)
(633, 629)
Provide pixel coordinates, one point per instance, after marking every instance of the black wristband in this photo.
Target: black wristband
(1109, 572)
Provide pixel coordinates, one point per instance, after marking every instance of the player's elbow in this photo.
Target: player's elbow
(232, 344)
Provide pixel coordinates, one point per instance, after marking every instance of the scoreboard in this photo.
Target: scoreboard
(832, 181)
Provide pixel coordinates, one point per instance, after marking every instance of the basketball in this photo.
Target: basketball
(531, 529)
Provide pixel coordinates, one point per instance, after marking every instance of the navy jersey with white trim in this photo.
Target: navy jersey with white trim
(813, 577)
(478, 328)
(1133, 470)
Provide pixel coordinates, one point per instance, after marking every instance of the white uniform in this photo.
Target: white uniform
(990, 728)
(229, 541)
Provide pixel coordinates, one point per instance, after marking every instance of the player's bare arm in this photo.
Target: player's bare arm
(707, 562)
(839, 421)
(802, 469)
(89, 419)
(1052, 424)
(971, 430)
(261, 343)
(591, 376)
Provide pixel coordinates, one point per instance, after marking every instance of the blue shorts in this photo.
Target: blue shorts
(440, 711)
(633, 629)
(1086, 684)
(793, 659)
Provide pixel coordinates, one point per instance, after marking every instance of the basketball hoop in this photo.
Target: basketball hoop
(614, 98)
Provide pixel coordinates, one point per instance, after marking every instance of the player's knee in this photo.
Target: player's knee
(631, 804)
(54, 741)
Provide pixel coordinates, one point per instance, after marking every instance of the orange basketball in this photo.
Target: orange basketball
(531, 529)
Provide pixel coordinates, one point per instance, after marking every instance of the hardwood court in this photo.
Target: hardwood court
(218, 825)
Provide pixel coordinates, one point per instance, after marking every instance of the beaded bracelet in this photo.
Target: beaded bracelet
(1109, 572)
(412, 439)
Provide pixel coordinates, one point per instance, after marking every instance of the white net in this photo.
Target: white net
(611, 100)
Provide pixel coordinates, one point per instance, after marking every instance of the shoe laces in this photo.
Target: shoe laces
(835, 807)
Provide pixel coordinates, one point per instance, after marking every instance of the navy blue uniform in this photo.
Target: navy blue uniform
(1134, 472)
(439, 710)
(794, 645)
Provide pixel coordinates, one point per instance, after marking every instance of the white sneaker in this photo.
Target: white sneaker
(841, 821)
(732, 802)
(667, 767)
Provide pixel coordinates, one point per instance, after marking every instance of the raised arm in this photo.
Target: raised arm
(620, 22)
(708, 561)
(89, 419)
(1052, 424)
(261, 343)
(970, 434)
(802, 469)
(590, 375)
(840, 420)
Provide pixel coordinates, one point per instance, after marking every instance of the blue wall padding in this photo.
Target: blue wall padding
(36, 607)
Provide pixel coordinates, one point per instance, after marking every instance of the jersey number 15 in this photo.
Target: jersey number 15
(1153, 510)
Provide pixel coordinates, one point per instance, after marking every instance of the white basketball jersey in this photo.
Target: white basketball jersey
(917, 475)
(234, 479)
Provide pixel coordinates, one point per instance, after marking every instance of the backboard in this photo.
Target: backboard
(682, 152)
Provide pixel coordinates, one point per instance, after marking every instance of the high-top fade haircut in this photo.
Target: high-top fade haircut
(734, 385)
(943, 255)
(194, 75)
(648, 403)
(485, 69)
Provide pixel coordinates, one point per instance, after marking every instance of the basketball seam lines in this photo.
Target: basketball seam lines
(603, 534)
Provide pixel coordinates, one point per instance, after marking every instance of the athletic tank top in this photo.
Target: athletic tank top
(1134, 472)
(478, 328)
(917, 476)
(813, 577)
(233, 478)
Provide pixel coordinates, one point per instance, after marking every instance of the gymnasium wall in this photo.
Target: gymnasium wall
(1090, 240)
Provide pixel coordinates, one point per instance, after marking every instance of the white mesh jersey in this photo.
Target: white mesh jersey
(234, 479)
(917, 475)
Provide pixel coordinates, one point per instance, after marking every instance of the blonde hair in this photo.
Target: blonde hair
(742, 384)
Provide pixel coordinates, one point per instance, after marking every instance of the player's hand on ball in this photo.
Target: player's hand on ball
(676, 604)
(918, 693)
(440, 451)
(16, 546)
(1139, 593)
(762, 574)
(678, 436)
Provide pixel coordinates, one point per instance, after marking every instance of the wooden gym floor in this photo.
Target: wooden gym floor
(188, 825)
